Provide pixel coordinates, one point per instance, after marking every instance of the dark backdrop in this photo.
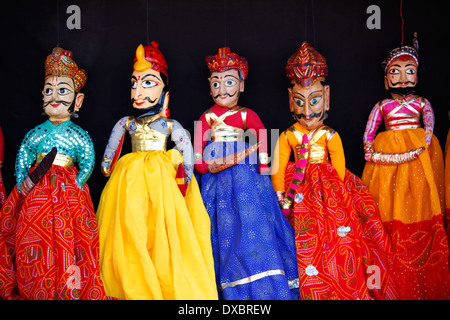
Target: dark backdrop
(266, 32)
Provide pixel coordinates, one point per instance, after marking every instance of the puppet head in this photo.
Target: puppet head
(149, 81)
(400, 69)
(63, 81)
(228, 73)
(306, 69)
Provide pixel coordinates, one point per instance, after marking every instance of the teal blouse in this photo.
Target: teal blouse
(68, 138)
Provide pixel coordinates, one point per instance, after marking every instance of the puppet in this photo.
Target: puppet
(253, 243)
(404, 173)
(154, 229)
(338, 234)
(49, 236)
(2, 155)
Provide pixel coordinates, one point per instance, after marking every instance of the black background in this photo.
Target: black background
(266, 32)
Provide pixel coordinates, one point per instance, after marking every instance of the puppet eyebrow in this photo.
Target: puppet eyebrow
(150, 75)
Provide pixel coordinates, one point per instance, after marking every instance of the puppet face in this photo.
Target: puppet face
(226, 87)
(401, 73)
(309, 104)
(58, 96)
(146, 88)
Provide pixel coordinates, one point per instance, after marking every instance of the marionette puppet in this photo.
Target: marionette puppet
(404, 173)
(154, 229)
(339, 237)
(253, 244)
(49, 236)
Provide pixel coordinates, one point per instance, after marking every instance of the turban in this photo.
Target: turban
(226, 60)
(306, 66)
(398, 52)
(149, 57)
(60, 63)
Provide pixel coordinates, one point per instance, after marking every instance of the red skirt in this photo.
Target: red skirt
(343, 250)
(49, 242)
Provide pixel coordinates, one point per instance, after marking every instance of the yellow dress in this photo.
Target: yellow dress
(154, 243)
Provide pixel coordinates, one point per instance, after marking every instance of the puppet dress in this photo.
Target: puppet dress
(410, 196)
(49, 246)
(2, 155)
(253, 243)
(154, 242)
(340, 240)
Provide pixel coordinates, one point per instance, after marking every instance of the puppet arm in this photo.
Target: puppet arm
(201, 129)
(282, 153)
(184, 145)
(86, 160)
(428, 121)
(114, 147)
(255, 123)
(337, 156)
(25, 158)
(375, 119)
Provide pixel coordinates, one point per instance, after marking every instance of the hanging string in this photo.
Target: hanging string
(306, 20)
(401, 16)
(57, 23)
(225, 20)
(314, 23)
(147, 25)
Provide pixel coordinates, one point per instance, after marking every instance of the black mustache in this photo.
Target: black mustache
(407, 82)
(226, 94)
(58, 101)
(146, 98)
(312, 115)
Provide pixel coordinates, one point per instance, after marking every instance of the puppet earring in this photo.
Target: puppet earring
(167, 113)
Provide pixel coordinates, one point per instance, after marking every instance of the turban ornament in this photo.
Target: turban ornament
(150, 57)
(225, 60)
(306, 66)
(398, 52)
(61, 64)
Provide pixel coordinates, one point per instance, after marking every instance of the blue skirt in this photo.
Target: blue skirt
(253, 243)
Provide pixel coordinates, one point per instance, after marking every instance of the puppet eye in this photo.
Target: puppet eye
(230, 83)
(149, 84)
(299, 102)
(133, 84)
(410, 71)
(48, 91)
(394, 71)
(315, 100)
(215, 84)
(64, 91)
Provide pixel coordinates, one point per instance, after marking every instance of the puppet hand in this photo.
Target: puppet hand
(263, 168)
(286, 212)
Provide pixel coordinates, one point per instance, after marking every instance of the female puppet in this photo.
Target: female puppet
(154, 229)
(51, 234)
(342, 247)
(253, 244)
(404, 172)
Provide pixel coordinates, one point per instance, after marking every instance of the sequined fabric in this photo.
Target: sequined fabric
(253, 244)
(68, 138)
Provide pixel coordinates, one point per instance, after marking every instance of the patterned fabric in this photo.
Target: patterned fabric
(60, 63)
(410, 199)
(340, 239)
(226, 60)
(402, 51)
(49, 242)
(253, 243)
(306, 66)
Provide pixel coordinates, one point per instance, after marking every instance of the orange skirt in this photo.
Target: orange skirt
(410, 199)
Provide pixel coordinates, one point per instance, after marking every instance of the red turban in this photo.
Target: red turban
(306, 66)
(226, 60)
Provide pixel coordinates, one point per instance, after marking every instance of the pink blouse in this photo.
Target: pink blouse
(401, 114)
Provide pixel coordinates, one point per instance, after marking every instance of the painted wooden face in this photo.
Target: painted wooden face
(309, 104)
(58, 96)
(401, 73)
(146, 88)
(225, 87)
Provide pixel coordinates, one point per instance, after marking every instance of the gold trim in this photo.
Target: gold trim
(60, 159)
(252, 278)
